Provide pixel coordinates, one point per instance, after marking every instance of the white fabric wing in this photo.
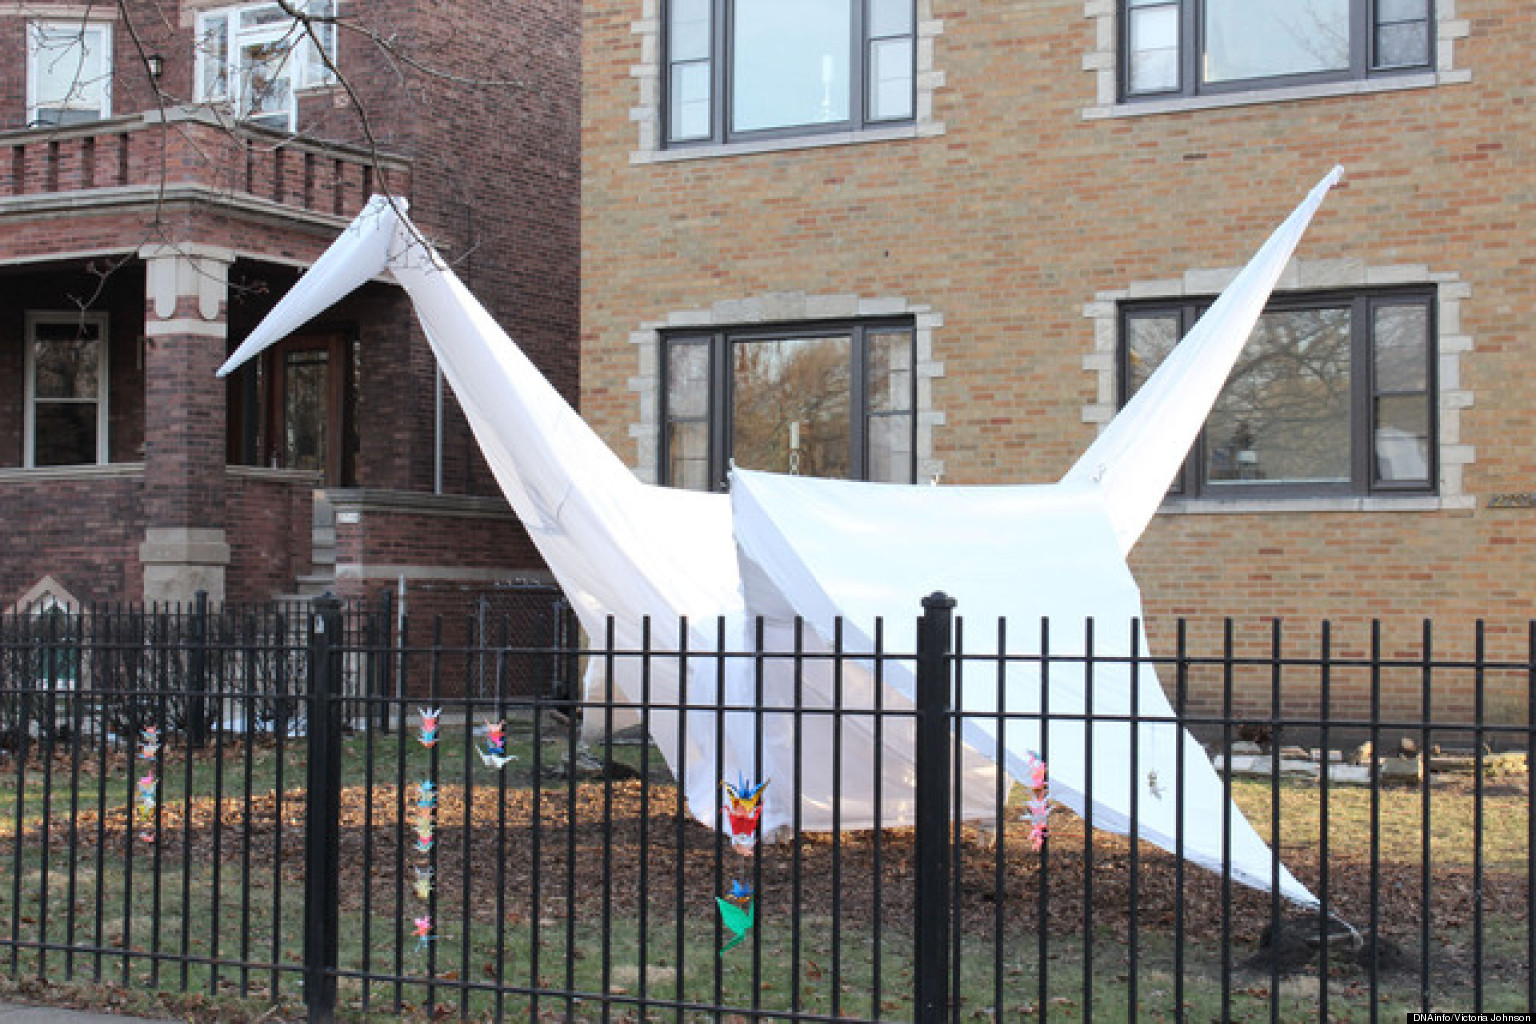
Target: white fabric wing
(1138, 454)
(835, 551)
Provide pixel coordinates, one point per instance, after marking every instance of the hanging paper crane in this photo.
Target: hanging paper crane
(743, 811)
(423, 932)
(737, 913)
(429, 717)
(495, 753)
(1040, 806)
(149, 785)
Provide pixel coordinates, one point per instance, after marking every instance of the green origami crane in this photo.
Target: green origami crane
(738, 920)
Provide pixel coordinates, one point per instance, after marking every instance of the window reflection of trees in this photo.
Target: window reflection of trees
(1284, 415)
(1327, 394)
(792, 380)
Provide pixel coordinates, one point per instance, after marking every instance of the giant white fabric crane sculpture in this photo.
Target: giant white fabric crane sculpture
(837, 557)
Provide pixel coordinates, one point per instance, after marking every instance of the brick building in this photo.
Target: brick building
(905, 239)
(165, 175)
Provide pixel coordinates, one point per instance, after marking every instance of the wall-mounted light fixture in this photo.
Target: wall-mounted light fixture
(156, 65)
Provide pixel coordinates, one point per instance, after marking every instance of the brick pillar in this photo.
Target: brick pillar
(184, 549)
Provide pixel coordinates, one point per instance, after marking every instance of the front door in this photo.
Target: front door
(306, 408)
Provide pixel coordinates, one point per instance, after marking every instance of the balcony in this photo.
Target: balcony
(189, 153)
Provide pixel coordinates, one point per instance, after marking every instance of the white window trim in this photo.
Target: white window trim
(301, 59)
(787, 307)
(1451, 343)
(29, 430)
(66, 25)
(647, 113)
(1102, 63)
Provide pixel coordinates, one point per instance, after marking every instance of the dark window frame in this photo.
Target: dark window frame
(1363, 64)
(720, 61)
(719, 404)
(1191, 482)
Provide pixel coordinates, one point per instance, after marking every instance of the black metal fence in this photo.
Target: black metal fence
(238, 809)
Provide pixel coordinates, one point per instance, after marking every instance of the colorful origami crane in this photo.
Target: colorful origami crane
(1036, 768)
(426, 794)
(425, 841)
(423, 883)
(145, 812)
(422, 932)
(737, 918)
(1040, 807)
(149, 742)
(495, 753)
(743, 811)
(429, 717)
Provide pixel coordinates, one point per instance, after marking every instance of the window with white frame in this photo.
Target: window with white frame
(1197, 47)
(742, 69)
(69, 72)
(66, 389)
(257, 58)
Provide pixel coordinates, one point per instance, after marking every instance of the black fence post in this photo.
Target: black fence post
(197, 675)
(380, 647)
(931, 925)
(321, 838)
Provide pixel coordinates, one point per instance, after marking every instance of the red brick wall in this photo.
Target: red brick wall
(82, 528)
(269, 530)
(492, 145)
(396, 534)
(454, 537)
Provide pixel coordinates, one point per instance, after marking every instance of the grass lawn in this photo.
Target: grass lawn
(614, 895)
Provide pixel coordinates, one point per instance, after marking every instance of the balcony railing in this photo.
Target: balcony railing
(196, 147)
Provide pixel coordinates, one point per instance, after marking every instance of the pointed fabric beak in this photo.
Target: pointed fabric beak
(358, 256)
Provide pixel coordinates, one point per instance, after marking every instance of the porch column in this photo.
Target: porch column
(185, 549)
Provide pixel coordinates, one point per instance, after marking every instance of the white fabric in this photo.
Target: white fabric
(1021, 554)
(843, 556)
(1138, 454)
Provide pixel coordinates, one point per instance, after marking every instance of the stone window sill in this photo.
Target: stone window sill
(17, 474)
(780, 145)
(1262, 506)
(1252, 97)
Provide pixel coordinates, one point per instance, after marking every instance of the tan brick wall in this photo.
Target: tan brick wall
(1031, 203)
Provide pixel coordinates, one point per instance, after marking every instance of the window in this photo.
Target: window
(1331, 395)
(739, 69)
(66, 388)
(69, 72)
(828, 400)
(256, 58)
(1194, 47)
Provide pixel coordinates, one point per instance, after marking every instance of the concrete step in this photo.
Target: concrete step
(314, 584)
